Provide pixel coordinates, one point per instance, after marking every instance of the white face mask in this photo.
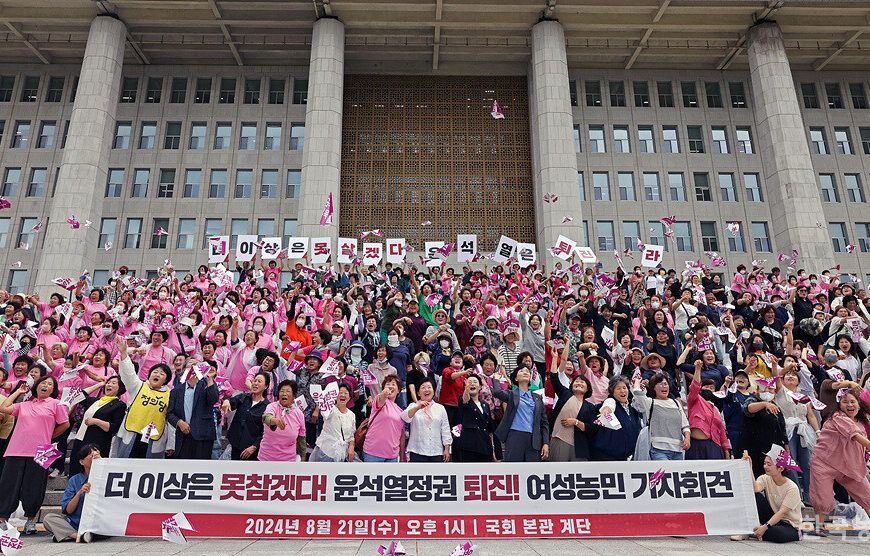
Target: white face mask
(300, 322)
(264, 307)
(258, 328)
(393, 341)
(162, 295)
(765, 396)
(107, 331)
(444, 343)
(655, 305)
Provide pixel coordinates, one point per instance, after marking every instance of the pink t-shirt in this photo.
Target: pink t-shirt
(280, 445)
(35, 421)
(382, 439)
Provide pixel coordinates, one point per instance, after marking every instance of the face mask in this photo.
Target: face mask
(107, 331)
(300, 322)
(393, 341)
(444, 343)
(757, 345)
(258, 328)
(162, 295)
(765, 396)
(707, 395)
(655, 304)
(830, 358)
(382, 360)
(264, 307)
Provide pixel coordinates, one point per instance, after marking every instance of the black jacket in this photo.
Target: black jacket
(201, 418)
(247, 427)
(476, 428)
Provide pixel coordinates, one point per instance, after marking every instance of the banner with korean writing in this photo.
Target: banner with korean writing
(238, 499)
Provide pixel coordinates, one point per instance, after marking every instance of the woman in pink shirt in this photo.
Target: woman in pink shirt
(99, 370)
(154, 353)
(83, 343)
(386, 429)
(47, 309)
(285, 426)
(37, 422)
(46, 335)
(243, 359)
(708, 438)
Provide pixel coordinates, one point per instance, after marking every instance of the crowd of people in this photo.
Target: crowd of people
(393, 363)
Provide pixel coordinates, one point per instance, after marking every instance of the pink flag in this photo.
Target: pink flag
(46, 454)
(4, 203)
(426, 223)
(734, 228)
(160, 231)
(669, 220)
(496, 111)
(37, 227)
(850, 248)
(326, 217)
(73, 222)
(551, 198)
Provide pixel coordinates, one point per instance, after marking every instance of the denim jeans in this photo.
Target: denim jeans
(801, 456)
(663, 455)
(368, 458)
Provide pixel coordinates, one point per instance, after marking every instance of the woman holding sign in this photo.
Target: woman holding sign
(336, 442)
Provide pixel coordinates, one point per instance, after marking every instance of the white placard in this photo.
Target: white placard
(527, 254)
(652, 255)
(504, 250)
(585, 254)
(218, 249)
(297, 247)
(372, 253)
(564, 247)
(347, 247)
(321, 249)
(432, 247)
(246, 248)
(466, 247)
(271, 246)
(396, 250)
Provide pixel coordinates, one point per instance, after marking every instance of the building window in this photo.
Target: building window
(36, 186)
(720, 140)
(297, 137)
(55, 89)
(166, 186)
(21, 134)
(652, 190)
(272, 141)
(865, 139)
(671, 139)
(665, 91)
(26, 235)
(726, 188)
(5, 223)
(65, 134)
(300, 91)
(829, 188)
(133, 233)
(576, 135)
(596, 139)
(213, 227)
(604, 229)
(141, 176)
(572, 92)
(702, 187)
(657, 234)
(617, 93)
(217, 185)
(252, 91)
(854, 191)
(690, 94)
(760, 237)
(202, 95)
(2, 129)
(129, 89)
(154, 91)
(862, 227)
(818, 140)
(7, 84)
(222, 134)
(269, 184)
(17, 281)
(238, 227)
(294, 183)
(147, 135)
(30, 91)
(123, 130)
(248, 136)
(581, 186)
(683, 235)
(738, 94)
(11, 179)
(753, 188)
(178, 90)
(192, 178)
(600, 186)
(198, 131)
(677, 186)
(266, 227)
(630, 234)
(859, 96)
(228, 91)
(735, 241)
(696, 139)
(626, 186)
(244, 183)
(645, 141)
(276, 91)
(620, 139)
(641, 93)
(844, 142)
(159, 241)
(172, 140)
(289, 229)
(593, 93)
(46, 135)
(744, 140)
(115, 182)
(714, 94)
(186, 233)
(839, 239)
(709, 237)
(74, 89)
(108, 227)
(835, 97)
(811, 97)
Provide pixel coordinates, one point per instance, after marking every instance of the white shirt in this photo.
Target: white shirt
(336, 434)
(430, 430)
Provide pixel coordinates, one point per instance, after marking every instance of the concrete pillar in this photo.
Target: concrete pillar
(554, 161)
(793, 195)
(321, 155)
(82, 178)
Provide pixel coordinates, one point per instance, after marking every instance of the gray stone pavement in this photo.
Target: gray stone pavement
(42, 546)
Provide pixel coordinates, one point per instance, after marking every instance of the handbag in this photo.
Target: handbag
(643, 445)
(359, 436)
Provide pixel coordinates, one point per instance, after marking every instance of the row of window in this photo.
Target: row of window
(664, 90)
(197, 138)
(670, 139)
(834, 95)
(676, 185)
(842, 139)
(179, 88)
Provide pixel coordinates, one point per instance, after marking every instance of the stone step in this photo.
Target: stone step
(58, 483)
(47, 510)
(52, 498)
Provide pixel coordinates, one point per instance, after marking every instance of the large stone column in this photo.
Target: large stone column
(82, 178)
(321, 155)
(554, 162)
(793, 195)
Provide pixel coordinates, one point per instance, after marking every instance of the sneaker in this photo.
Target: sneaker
(30, 527)
(739, 537)
(821, 531)
(54, 474)
(86, 537)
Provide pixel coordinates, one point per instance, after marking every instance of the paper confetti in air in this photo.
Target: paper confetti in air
(37, 227)
(376, 233)
(87, 224)
(159, 231)
(551, 198)
(17, 264)
(850, 248)
(734, 228)
(108, 246)
(669, 220)
(495, 111)
(567, 219)
(73, 222)
(426, 223)
(4, 203)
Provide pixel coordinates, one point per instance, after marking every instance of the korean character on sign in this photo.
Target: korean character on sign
(475, 488)
(386, 527)
(587, 487)
(348, 249)
(466, 247)
(372, 487)
(177, 485)
(413, 527)
(444, 487)
(396, 488)
(575, 526)
(150, 486)
(492, 527)
(503, 487)
(508, 526)
(291, 526)
(297, 247)
(690, 484)
(281, 487)
(430, 526)
(232, 486)
(530, 526)
(361, 527)
(257, 487)
(311, 487)
(613, 486)
(505, 250)
(324, 527)
(538, 487)
(321, 248)
(718, 484)
(545, 526)
(455, 526)
(118, 485)
(345, 489)
(419, 488)
(563, 487)
(271, 247)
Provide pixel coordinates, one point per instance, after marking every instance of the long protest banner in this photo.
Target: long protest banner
(236, 499)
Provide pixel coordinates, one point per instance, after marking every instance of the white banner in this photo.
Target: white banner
(297, 247)
(271, 248)
(246, 247)
(564, 247)
(346, 250)
(526, 254)
(396, 251)
(321, 249)
(586, 254)
(238, 499)
(466, 247)
(432, 247)
(652, 255)
(372, 253)
(504, 250)
(218, 249)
